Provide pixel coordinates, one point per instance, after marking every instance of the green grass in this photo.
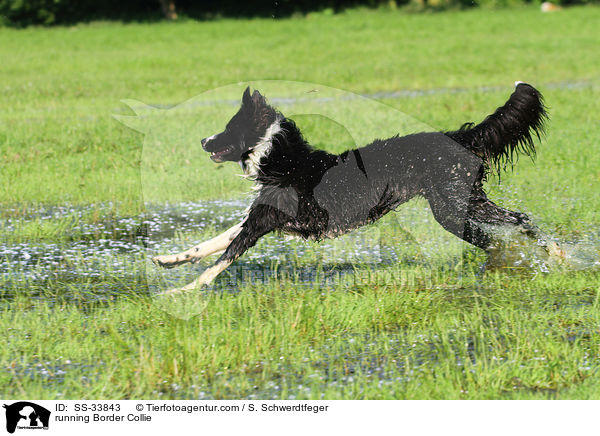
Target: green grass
(61, 85)
(430, 326)
(505, 339)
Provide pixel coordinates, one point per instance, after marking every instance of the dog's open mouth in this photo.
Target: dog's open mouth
(218, 156)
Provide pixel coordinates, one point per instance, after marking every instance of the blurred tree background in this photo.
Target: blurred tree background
(21, 13)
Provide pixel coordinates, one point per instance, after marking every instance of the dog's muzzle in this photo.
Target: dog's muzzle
(204, 141)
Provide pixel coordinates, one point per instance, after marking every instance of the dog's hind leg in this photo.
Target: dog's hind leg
(458, 223)
(194, 254)
(470, 220)
(466, 218)
(483, 210)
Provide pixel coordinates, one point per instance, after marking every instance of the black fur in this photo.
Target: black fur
(508, 130)
(315, 194)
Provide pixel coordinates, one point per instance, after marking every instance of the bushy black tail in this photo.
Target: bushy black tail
(508, 131)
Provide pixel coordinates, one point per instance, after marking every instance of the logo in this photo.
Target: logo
(26, 415)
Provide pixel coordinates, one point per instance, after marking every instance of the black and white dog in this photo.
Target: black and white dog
(314, 194)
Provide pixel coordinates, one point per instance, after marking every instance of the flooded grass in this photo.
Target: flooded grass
(262, 343)
(357, 317)
(396, 310)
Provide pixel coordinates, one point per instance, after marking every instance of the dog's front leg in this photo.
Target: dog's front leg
(194, 254)
(205, 278)
(259, 223)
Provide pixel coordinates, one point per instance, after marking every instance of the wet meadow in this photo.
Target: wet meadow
(397, 310)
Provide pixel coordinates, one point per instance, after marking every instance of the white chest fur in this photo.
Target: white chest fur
(260, 150)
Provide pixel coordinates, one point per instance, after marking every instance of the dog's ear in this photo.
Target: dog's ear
(258, 99)
(254, 101)
(247, 98)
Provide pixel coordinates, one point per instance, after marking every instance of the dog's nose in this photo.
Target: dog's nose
(205, 141)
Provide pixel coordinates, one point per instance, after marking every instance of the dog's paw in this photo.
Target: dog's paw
(188, 288)
(172, 292)
(170, 261)
(555, 250)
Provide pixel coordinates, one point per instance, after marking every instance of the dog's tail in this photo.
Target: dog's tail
(508, 131)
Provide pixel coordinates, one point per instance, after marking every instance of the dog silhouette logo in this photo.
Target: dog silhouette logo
(26, 415)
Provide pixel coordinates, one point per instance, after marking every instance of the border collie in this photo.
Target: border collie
(315, 195)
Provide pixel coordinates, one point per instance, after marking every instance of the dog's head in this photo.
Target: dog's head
(244, 131)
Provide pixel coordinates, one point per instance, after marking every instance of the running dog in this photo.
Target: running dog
(315, 195)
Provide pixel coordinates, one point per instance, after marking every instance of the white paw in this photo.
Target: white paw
(170, 261)
(171, 292)
(555, 250)
(518, 82)
(187, 288)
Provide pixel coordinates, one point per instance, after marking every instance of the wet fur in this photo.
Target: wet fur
(314, 194)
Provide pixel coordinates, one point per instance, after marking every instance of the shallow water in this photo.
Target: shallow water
(115, 246)
(116, 250)
(106, 257)
(121, 247)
